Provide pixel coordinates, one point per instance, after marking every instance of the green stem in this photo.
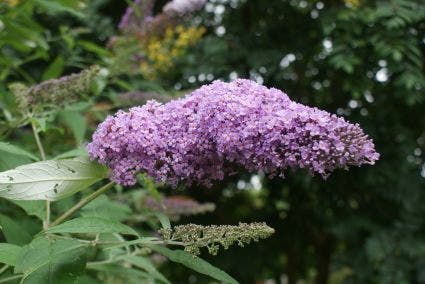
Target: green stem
(90, 265)
(163, 242)
(4, 268)
(82, 203)
(38, 141)
(119, 237)
(4, 280)
(47, 221)
(43, 157)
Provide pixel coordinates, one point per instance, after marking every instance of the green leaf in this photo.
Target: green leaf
(51, 261)
(92, 225)
(165, 221)
(50, 180)
(80, 106)
(13, 232)
(80, 152)
(55, 69)
(140, 241)
(103, 207)
(126, 275)
(9, 161)
(145, 264)
(12, 149)
(149, 184)
(76, 122)
(195, 263)
(9, 253)
(92, 47)
(55, 7)
(32, 207)
(40, 122)
(86, 279)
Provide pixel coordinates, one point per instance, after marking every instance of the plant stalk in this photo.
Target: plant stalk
(43, 157)
(82, 203)
(4, 268)
(4, 280)
(47, 221)
(38, 141)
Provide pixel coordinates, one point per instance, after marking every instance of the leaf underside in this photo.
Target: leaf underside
(50, 180)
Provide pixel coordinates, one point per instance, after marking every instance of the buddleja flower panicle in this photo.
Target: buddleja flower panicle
(54, 92)
(133, 20)
(194, 237)
(178, 205)
(202, 137)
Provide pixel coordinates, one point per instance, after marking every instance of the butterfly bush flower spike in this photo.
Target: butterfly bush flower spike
(136, 15)
(213, 237)
(202, 138)
(55, 92)
(179, 205)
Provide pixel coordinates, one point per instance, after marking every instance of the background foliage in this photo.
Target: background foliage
(361, 59)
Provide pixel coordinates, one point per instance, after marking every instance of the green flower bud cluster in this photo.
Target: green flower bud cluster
(54, 92)
(194, 237)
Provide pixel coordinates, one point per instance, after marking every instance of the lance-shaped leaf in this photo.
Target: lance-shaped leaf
(195, 263)
(50, 180)
(13, 231)
(80, 152)
(51, 261)
(10, 161)
(32, 207)
(15, 150)
(9, 253)
(92, 225)
(145, 264)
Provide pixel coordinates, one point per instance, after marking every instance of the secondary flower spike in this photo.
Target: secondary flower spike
(202, 138)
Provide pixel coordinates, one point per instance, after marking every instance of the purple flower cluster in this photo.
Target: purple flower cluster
(202, 137)
(136, 14)
(139, 16)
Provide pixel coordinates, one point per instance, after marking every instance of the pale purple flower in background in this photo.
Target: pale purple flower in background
(129, 16)
(183, 7)
(136, 15)
(178, 205)
(139, 16)
(202, 138)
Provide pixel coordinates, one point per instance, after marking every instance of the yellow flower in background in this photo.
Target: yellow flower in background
(11, 3)
(352, 3)
(147, 71)
(162, 52)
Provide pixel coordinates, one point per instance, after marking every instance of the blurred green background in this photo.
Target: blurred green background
(360, 59)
